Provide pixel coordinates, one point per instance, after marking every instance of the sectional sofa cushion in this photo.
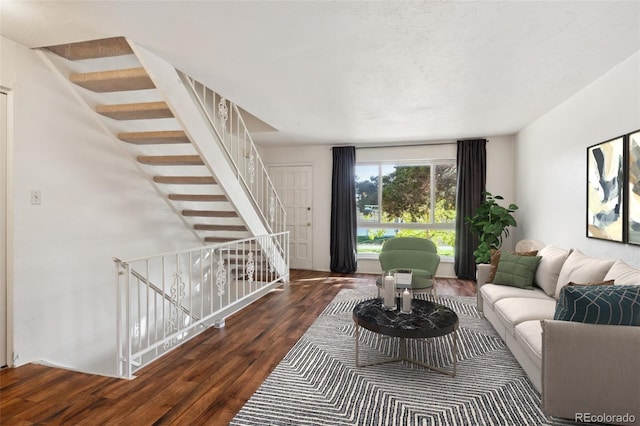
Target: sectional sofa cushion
(515, 310)
(623, 274)
(529, 336)
(609, 304)
(517, 271)
(580, 268)
(551, 260)
(491, 293)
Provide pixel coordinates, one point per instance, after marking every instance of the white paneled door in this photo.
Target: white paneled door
(3, 229)
(293, 184)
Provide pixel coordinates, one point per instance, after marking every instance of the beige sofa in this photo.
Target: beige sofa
(582, 370)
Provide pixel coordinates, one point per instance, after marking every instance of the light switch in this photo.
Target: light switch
(36, 197)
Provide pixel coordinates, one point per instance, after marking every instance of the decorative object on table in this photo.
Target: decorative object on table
(633, 188)
(605, 190)
(490, 222)
(406, 302)
(389, 293)
(403, 277)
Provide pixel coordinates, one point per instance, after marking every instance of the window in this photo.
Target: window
(406, 199)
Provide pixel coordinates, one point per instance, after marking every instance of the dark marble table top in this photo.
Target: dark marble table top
(427, 319)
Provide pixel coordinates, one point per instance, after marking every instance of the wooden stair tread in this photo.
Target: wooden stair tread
(136, 111)
(203, 227)
(197, 197)
(114, 46)
(209, 213)
(114, 81)
(153, 138)
(185, 180)
(218, 239)
(171, 160)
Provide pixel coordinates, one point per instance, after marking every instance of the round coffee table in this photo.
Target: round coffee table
(426, 320)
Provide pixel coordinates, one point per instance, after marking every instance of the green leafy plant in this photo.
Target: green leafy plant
(490, 222)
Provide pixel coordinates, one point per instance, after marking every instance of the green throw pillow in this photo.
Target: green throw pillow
(600, 304)
(516, 271)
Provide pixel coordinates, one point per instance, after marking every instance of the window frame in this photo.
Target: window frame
(432, 225)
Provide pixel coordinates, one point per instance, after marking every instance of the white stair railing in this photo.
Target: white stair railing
(227, 123)
(165, 300)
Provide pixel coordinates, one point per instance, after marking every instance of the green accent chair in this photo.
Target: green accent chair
(418, 254)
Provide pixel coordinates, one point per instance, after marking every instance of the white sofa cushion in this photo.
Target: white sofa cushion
(551, 260)
(529, 337)
(491, 293)
(623, 274)
(515, 310)
(580, 268)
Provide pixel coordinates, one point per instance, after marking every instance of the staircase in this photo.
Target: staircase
(194, 148)
(109, 76)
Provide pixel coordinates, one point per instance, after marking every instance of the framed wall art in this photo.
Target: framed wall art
(633, 188)
(605, 190)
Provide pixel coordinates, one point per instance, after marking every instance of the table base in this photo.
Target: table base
(453, 345)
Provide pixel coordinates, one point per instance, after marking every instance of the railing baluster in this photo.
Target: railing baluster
(146, 314)
(202, 260)
(118, 267)
(190, 287)
(212, 274)
(164, 291)
(139, 334)
(127, 317)
(155, 319)
(177, 282)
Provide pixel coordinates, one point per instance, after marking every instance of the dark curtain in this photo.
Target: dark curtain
(343, 211)
(471, 183)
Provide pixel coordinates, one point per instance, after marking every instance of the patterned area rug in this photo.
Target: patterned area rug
(317, 382)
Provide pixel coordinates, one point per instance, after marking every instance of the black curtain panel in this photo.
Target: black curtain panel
(471, 183)
(343, 211)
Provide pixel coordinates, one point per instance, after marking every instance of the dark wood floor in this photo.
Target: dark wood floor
(206, 381)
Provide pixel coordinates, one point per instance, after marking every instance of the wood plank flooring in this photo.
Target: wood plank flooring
(204, 382)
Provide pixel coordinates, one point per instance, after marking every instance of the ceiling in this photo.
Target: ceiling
(362, 72)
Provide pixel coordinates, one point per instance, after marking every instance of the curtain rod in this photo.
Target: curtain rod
(410, 145)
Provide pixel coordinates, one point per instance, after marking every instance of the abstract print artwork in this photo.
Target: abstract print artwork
(633, 185)
(605, 187)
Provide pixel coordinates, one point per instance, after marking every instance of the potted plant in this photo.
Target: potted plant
(490, 223)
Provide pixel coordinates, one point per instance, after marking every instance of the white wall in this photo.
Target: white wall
(551, 160)
(501, 177)
(95, 206)
(499, 181)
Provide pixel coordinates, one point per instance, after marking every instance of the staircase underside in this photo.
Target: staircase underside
(145, 124)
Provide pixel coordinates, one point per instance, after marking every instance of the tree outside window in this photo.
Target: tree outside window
(418, 199)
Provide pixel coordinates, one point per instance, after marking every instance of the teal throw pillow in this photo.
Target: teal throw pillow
(600, 304)
(516, 271)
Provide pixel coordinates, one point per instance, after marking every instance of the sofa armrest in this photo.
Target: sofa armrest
(590, 368)
(482, 276)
